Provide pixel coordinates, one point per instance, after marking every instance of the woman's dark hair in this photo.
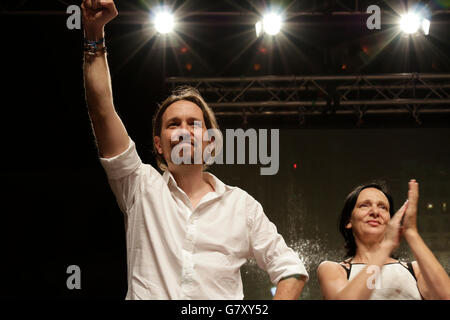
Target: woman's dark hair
(346, 213)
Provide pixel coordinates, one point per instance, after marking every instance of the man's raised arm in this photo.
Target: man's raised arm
(110, 133)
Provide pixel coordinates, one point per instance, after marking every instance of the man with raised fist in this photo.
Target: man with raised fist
(187, 233)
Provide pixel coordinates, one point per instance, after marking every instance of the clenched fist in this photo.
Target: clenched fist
(96, 14)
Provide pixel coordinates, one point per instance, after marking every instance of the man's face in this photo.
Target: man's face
(179, 118)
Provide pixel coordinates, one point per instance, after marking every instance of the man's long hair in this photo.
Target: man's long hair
(187, 93)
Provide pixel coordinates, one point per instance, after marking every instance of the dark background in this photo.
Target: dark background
(57, 207)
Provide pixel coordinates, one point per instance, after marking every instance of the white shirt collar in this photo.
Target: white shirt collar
(219, 187)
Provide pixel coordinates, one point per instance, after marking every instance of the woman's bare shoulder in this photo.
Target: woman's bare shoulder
(331, 269)
(331, 266)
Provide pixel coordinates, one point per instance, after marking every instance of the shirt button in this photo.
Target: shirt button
(188, 245)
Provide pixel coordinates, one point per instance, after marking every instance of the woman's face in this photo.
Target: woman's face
(370, 215)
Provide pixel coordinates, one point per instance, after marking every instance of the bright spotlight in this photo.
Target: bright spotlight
(411, 23)
(164, 22)
(271, 23)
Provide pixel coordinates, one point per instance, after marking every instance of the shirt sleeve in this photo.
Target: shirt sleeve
(123, 175)
(269, 248)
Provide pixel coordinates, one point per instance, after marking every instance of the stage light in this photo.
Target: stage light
(164, 22)
(270, 24)
(410, 23)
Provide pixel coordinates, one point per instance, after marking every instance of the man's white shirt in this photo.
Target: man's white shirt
(175, 251)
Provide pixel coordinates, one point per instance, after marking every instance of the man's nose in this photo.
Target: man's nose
(181, 133)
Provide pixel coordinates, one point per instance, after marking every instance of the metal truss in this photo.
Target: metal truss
(408, 93)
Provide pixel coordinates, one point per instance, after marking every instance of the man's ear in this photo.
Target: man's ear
(157, 142)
